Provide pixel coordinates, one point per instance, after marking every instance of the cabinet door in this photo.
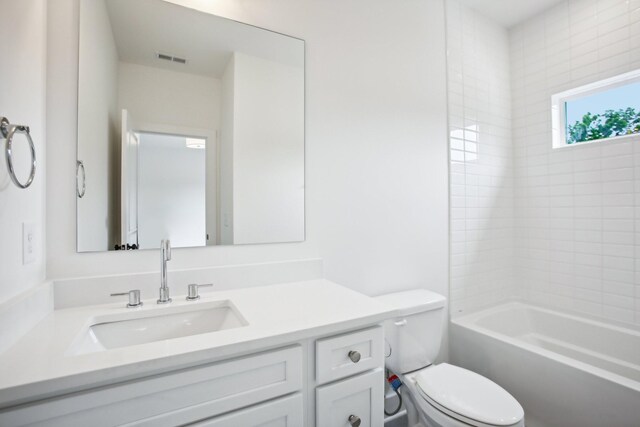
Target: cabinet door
(175, 398)
(359, 397)
(285, 412)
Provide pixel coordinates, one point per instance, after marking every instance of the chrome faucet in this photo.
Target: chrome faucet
(165, 254)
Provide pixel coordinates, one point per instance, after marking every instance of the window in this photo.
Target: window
(598, 111)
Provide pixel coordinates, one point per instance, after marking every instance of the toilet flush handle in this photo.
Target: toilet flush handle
(354, 420)
(402, 322)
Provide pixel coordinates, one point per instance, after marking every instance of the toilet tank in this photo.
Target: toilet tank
(413, 337)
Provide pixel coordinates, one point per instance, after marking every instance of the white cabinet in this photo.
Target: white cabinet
(315, 381)
(357, 400)
(344, 402)
(285, 412)
(175, 398)
(349, 354)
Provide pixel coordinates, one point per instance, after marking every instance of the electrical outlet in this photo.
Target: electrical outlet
(28, 243)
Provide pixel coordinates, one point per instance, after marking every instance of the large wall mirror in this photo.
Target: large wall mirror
(190, 128)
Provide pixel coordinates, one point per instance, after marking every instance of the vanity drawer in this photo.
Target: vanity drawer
(175, 398)
(349, 354)
(343, 403)
(284, 412)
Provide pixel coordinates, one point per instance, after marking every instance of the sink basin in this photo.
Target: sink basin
(142, 327)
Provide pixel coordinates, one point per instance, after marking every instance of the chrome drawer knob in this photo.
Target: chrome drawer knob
(354, 420)
(355, 358)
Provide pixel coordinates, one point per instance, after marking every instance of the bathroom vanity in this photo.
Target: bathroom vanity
(305, 353)
(191, 127)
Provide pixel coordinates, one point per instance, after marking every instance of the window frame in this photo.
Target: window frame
(559, 110)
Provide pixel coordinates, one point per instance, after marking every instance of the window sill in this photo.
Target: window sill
(613, 140)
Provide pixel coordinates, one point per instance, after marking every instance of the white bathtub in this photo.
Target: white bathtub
(565, 370)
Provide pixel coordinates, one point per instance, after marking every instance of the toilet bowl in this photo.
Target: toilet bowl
(443, 395)
(450, 396)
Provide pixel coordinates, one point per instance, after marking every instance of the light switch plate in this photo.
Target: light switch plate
(28, 243)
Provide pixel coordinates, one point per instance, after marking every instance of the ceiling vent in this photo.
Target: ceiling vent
(170, 58)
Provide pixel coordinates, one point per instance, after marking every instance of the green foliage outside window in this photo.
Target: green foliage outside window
(609, 124)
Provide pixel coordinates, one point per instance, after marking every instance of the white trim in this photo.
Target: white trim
(559, 100)
(611, 140)
(162, 128)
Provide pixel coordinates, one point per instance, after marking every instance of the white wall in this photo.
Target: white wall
(23, 77)
(482, 176)
(376, 152)
(268, 151)
(212, 171)
(159, 96)
(98, 133)
(577, 207)
(226, 153)
(171, 192)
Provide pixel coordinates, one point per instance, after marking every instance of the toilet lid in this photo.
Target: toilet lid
(465, 394)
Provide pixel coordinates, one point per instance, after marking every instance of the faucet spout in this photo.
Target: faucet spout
(165, 255)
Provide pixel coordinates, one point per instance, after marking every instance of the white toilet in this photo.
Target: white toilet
(443, 395)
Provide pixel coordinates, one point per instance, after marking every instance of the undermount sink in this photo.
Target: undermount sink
(142, 327)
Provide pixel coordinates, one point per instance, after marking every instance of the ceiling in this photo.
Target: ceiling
(510, 12)
(143, 28)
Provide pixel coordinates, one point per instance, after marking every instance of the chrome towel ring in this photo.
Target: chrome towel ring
(80, 165)
(8, 131)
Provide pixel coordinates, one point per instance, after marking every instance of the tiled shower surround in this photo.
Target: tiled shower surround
(571, 241)
(481, 155)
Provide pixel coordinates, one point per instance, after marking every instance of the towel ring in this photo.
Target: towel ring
(8, 131)
(80, 165)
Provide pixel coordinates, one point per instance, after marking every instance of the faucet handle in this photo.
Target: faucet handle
(134, 298)
(165, 246)
(192, 291)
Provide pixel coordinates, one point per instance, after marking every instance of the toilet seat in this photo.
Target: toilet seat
(467, 396)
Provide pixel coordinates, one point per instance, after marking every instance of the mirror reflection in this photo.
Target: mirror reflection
(190, 128)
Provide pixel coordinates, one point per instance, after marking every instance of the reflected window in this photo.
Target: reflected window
(463, 144)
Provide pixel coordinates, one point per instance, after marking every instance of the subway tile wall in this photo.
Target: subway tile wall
(578, 207)
(557, 227)
(481, 161)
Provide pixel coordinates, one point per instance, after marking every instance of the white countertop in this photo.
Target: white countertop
(39, 364)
